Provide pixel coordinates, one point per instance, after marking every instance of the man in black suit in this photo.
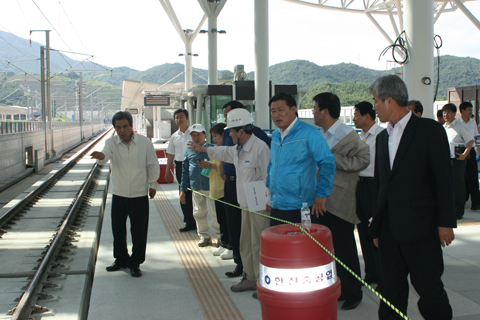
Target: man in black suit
(414, 210)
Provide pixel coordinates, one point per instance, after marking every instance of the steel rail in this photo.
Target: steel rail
(70, 162)
(26, 303)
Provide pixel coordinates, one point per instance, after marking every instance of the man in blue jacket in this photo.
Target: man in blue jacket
(297, 150)
(200, 185)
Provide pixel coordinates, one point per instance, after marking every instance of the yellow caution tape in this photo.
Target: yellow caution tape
(321, 246)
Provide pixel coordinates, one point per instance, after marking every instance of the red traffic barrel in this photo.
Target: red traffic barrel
(162, 162)
(161, 153)
(298, 279)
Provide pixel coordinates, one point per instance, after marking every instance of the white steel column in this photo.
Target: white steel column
(418, 23)
(212, 9)
(212, 50)
(187, 37)
(188, 64)
(261, 64)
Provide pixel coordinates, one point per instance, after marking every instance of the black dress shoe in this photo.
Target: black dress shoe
(234, 273)
(188, 228)
(136, 272)
(115, 267)
(350, 304)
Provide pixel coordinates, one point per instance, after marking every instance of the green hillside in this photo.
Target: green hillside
(19, 65)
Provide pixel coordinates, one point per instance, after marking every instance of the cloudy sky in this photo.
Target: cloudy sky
(139, 35)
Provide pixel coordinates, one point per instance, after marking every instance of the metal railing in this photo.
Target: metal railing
(64, 167)
(7, 127)
(10, 127)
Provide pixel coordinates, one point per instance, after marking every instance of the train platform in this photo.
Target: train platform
(182, 281)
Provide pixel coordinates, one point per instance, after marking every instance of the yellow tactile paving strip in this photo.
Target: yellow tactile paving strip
(211, 295)
(468, 223)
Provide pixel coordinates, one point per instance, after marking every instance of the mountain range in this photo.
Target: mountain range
(14, 51)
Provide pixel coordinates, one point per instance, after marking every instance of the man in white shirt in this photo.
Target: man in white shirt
(176, 153)
(364, 119)
(471, 171)
(135, 172)
(250, 156)
(458, 136)
(351, 156)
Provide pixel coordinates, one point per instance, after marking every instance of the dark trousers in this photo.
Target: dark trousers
(423, 260)
(364, 213)
(234, 219)
(287, 215)
(471, 179)
(459, 180)
(222, 221)
(187, 208)
(137, 210)
(345, 250)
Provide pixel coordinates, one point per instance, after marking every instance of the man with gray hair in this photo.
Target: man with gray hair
(135, 172)
(414, 210)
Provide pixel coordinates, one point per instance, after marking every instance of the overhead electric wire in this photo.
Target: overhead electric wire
(73, 26)
(16, 48)
(437, 46)
(55, 31)
(26, 20)
(25, 72)
(23, 40)
(84, 54)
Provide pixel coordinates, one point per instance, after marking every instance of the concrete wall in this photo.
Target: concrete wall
(12, 146)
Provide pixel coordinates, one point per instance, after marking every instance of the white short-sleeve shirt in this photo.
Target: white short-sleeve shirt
(178, 144)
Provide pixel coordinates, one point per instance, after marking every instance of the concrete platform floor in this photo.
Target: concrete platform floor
(165, 292)
(172, 287)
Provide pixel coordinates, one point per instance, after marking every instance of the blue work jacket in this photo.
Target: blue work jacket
(191, 171)
(292, 171)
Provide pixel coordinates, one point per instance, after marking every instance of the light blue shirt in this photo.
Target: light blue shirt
(336, 133)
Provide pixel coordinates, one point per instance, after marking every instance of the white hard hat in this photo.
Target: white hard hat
(197, 128)
(238, 118)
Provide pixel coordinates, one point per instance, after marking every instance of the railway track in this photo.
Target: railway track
(49, 239)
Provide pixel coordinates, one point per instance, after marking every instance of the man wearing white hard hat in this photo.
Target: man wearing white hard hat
(250, 156)
(200, 185)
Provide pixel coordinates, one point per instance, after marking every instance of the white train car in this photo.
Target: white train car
(13, 113)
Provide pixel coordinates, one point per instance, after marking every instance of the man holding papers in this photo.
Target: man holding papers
(250, 157)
